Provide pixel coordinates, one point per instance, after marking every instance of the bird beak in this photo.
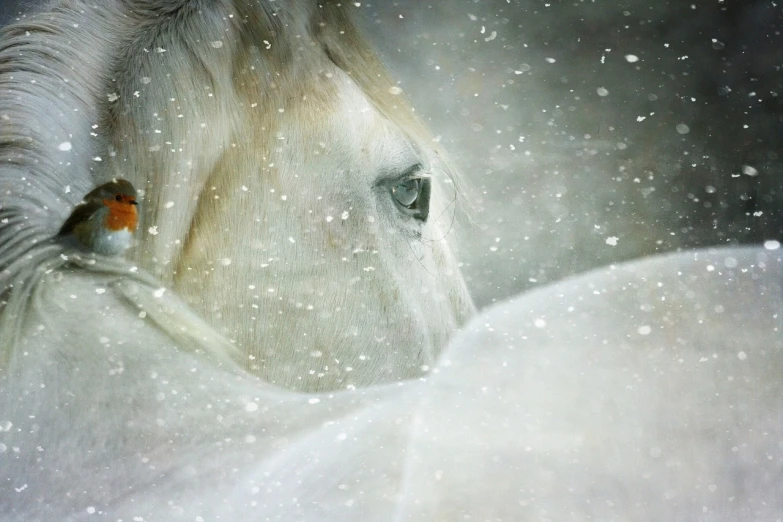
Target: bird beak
(133, 203)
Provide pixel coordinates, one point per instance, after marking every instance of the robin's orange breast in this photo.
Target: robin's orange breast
(121, 215)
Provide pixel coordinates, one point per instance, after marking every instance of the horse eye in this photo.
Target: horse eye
(407, 192)
(118, 197)
(413, 197)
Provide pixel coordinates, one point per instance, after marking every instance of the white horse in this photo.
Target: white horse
(291, 197)
(294, 228)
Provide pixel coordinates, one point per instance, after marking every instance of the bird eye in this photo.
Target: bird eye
(118, 197)
(413, 196)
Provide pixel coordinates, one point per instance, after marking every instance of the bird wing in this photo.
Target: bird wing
(80, 213)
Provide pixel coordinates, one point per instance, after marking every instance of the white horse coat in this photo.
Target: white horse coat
(649, 391)
(140, 389)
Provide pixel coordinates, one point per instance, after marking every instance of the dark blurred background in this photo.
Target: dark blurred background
(594, 132)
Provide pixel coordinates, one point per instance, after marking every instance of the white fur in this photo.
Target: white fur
(139, 389)
(242, 152)
(338, 289)
(261, 177)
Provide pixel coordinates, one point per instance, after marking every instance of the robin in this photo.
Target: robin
(106, 219)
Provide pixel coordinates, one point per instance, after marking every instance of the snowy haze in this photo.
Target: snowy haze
(642, 391)
(593, 132)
